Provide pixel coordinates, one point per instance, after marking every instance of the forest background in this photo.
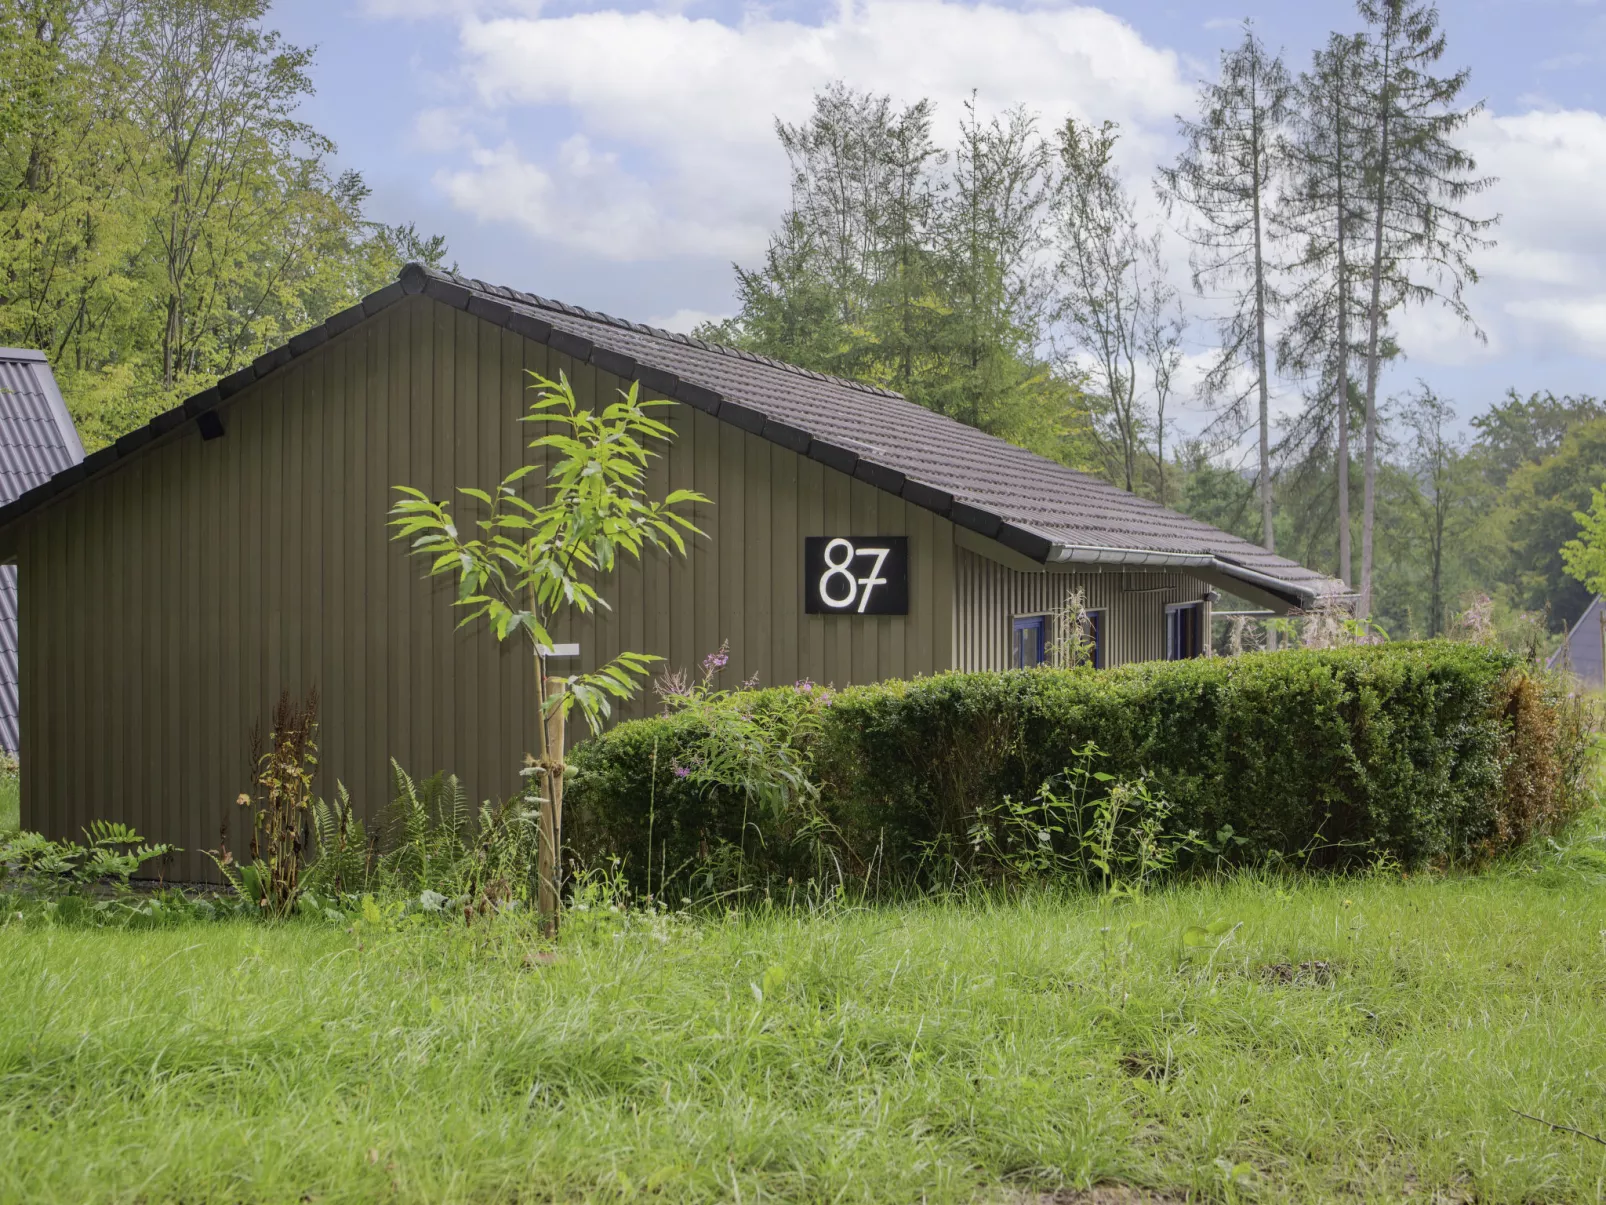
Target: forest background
(166, 215)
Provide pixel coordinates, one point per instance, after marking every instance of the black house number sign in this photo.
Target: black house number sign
(856, 575)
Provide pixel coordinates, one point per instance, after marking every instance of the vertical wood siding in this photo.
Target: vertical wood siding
(164, 606)
(991, 595)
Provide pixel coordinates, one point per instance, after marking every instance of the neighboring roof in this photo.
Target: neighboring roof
(37, 437)
(37, 441)
(1034, 506)
(1583, 650)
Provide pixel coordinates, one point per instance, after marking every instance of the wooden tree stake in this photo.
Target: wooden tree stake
(549, 825)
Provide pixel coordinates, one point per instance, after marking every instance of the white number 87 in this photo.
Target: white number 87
(839, 557)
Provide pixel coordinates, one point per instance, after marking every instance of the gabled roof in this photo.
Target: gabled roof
(1583, 649)
(37, 436)
(1038, 508)
(37, 441)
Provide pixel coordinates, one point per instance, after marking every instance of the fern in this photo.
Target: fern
(432, 841)
(114, 852)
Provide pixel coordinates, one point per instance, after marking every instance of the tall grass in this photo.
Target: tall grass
(1350, 1039)
(10, 796)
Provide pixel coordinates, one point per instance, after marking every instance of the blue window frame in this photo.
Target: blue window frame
(1093, 631)
(1028, 643)
(1184, 637)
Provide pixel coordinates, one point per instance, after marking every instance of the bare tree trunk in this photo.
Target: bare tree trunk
(1437, 592)
(1346, 561)
(1267, 516)
(170, 342)
(1374, 321)
(1269, 534)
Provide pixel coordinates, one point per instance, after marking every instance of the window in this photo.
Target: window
(1028, 643)
(1093, 633)
(1183, 631)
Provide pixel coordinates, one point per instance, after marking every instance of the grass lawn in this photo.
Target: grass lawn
(1356, 1040)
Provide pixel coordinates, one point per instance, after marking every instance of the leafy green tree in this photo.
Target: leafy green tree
(1519, 431)
(907, 266)
(1584, 556)
(989, 245)
(1537, 518)
(535, 561)
(165, 215)
(1113, 299)
(1446, 486)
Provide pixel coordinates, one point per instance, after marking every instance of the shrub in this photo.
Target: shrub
(1426, 752)
(721, 789)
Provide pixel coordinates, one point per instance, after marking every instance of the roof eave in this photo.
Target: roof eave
(1290, 594)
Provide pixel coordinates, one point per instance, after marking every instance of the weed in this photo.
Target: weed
(280, 811)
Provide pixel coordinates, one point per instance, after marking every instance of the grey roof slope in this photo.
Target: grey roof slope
(1049, 513)
(37, 441)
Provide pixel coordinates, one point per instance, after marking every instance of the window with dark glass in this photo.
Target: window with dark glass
(1184, 636)
(1028, 641)
(1093, 634)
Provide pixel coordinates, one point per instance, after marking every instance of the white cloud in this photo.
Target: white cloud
(1580, 321)
(1542, 285)
(585, 200)
(647, 137)
(685, 321)
(677, 113)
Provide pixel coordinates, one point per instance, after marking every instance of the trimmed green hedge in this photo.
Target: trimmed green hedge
(1429, 752)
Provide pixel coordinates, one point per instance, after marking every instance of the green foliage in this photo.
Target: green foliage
(111, 854)
(1083, 825)
(1584, 556)
(909, 266)
(1427, 752)
(717, 794)
(341, 856)
(532, 562)
(165, 214)
(1517, 431)
(1541, 506)
(454, 859)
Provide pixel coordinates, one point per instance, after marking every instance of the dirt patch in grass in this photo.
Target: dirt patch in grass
(1315, 973)
(1106, 1194)
(1145, 1064)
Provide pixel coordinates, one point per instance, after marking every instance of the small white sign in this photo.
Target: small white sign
(560, 650)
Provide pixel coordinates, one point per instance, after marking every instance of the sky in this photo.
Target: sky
(622, 156)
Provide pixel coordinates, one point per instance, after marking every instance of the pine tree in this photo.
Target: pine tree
(1322, 217)
(1224, 179)
(1416, 176)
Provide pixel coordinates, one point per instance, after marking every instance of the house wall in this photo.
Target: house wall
(166, 604)
(991, 594)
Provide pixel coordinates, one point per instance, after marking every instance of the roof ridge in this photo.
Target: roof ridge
(507, 293)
